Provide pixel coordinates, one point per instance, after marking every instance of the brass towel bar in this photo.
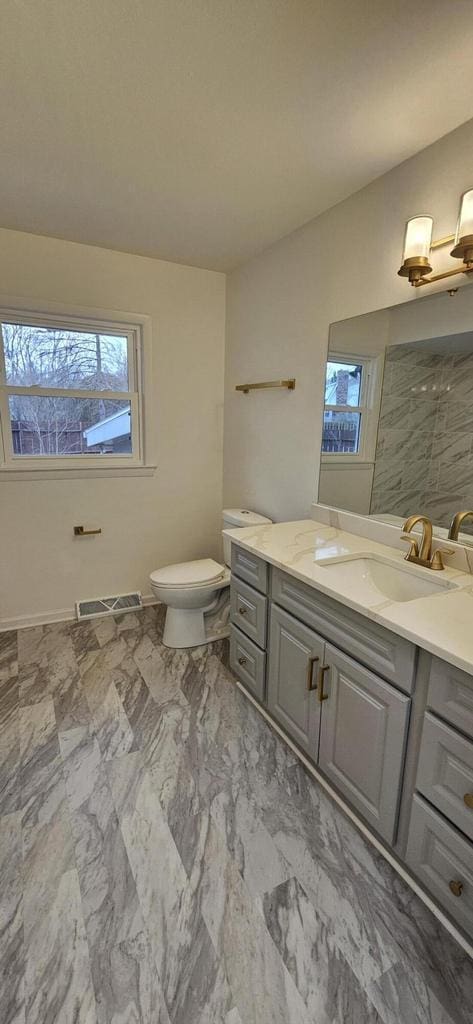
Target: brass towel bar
(289, 384)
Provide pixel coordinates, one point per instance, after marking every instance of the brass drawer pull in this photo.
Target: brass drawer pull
(320, 683)
(455, 887)
(243, 611)
(468, 800)
(242, 661)
(310, 672)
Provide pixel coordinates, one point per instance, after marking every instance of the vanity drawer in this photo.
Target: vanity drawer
(248, 663)
(445, 772)
(389, 655)
(451, 695)
(443, 861)
(250, 568)
(248, 611)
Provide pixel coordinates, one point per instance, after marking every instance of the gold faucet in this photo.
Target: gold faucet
(456, 523)
(423, 556)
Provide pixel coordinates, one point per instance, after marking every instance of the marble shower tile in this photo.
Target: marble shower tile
(459, 416)
(12, 1010)
(456, 476)
(423, 415)
(125, 980)
(394, 411)
(418, 382)
(308, 947)
(450, 447)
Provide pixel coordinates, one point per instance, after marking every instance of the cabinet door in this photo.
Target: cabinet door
(296, 653)
(364, 726)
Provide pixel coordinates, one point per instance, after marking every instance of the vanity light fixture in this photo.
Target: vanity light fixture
(418, 245)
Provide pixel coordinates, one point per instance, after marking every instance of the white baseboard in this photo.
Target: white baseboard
(54, 615)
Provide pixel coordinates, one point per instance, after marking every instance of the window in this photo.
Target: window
(347, 406)
(69, 392)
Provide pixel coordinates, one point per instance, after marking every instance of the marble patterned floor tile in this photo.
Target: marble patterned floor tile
(47, 667)
(12, 1010)
(309, 949)
(193, 980)
(233, 1017)
(252, 963)
(125, 980)
(8, 655)
(10, 794)
(167, 859)
(402, 995)
(58, 978)
(111, 725)
(41, 781)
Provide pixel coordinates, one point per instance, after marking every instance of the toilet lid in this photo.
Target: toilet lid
(188, 574)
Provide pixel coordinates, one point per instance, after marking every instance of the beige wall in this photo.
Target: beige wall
(280, 305)
(147, 521)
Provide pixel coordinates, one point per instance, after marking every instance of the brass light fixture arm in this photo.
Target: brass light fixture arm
(441, 277)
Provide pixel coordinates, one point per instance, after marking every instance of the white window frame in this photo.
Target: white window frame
(367, 408)
(137, 329)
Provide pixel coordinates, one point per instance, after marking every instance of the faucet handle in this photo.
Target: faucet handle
(436, 561)
(413, 546)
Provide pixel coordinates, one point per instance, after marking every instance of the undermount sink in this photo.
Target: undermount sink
(372, 577)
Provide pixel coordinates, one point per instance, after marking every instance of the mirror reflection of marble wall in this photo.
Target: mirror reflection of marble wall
(420, 458)
(424, 448)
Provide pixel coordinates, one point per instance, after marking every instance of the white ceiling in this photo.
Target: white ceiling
(203, 130)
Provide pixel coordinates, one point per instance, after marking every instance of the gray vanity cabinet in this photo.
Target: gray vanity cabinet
(362, 739)
(296, 654)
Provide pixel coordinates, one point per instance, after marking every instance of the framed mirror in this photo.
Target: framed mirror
(397, 434)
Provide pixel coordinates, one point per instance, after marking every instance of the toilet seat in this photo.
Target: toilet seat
(185, 575)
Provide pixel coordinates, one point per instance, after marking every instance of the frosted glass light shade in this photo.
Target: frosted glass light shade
(465, 218)
(418, 238)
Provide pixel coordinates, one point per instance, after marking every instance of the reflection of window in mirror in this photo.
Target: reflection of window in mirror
(349, 431)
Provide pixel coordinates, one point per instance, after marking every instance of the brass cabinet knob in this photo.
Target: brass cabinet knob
(468, 800)
(455, 887)
(242, 661)
(243, 611)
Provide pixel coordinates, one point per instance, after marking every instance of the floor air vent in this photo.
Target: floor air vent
(108, 605)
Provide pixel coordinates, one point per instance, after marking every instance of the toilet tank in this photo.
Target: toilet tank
(234, 518)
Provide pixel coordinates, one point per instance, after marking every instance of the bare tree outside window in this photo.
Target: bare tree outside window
(54, 359)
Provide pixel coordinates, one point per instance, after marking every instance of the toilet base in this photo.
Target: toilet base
(194, 627)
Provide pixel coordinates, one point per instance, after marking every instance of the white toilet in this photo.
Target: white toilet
(197, 594)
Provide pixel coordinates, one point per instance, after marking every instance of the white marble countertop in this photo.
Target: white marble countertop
(441, 623)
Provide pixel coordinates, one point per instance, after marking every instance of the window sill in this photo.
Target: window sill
(13, 474)
(343, 461)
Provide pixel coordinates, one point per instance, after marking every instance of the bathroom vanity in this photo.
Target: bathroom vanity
(367, 667)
